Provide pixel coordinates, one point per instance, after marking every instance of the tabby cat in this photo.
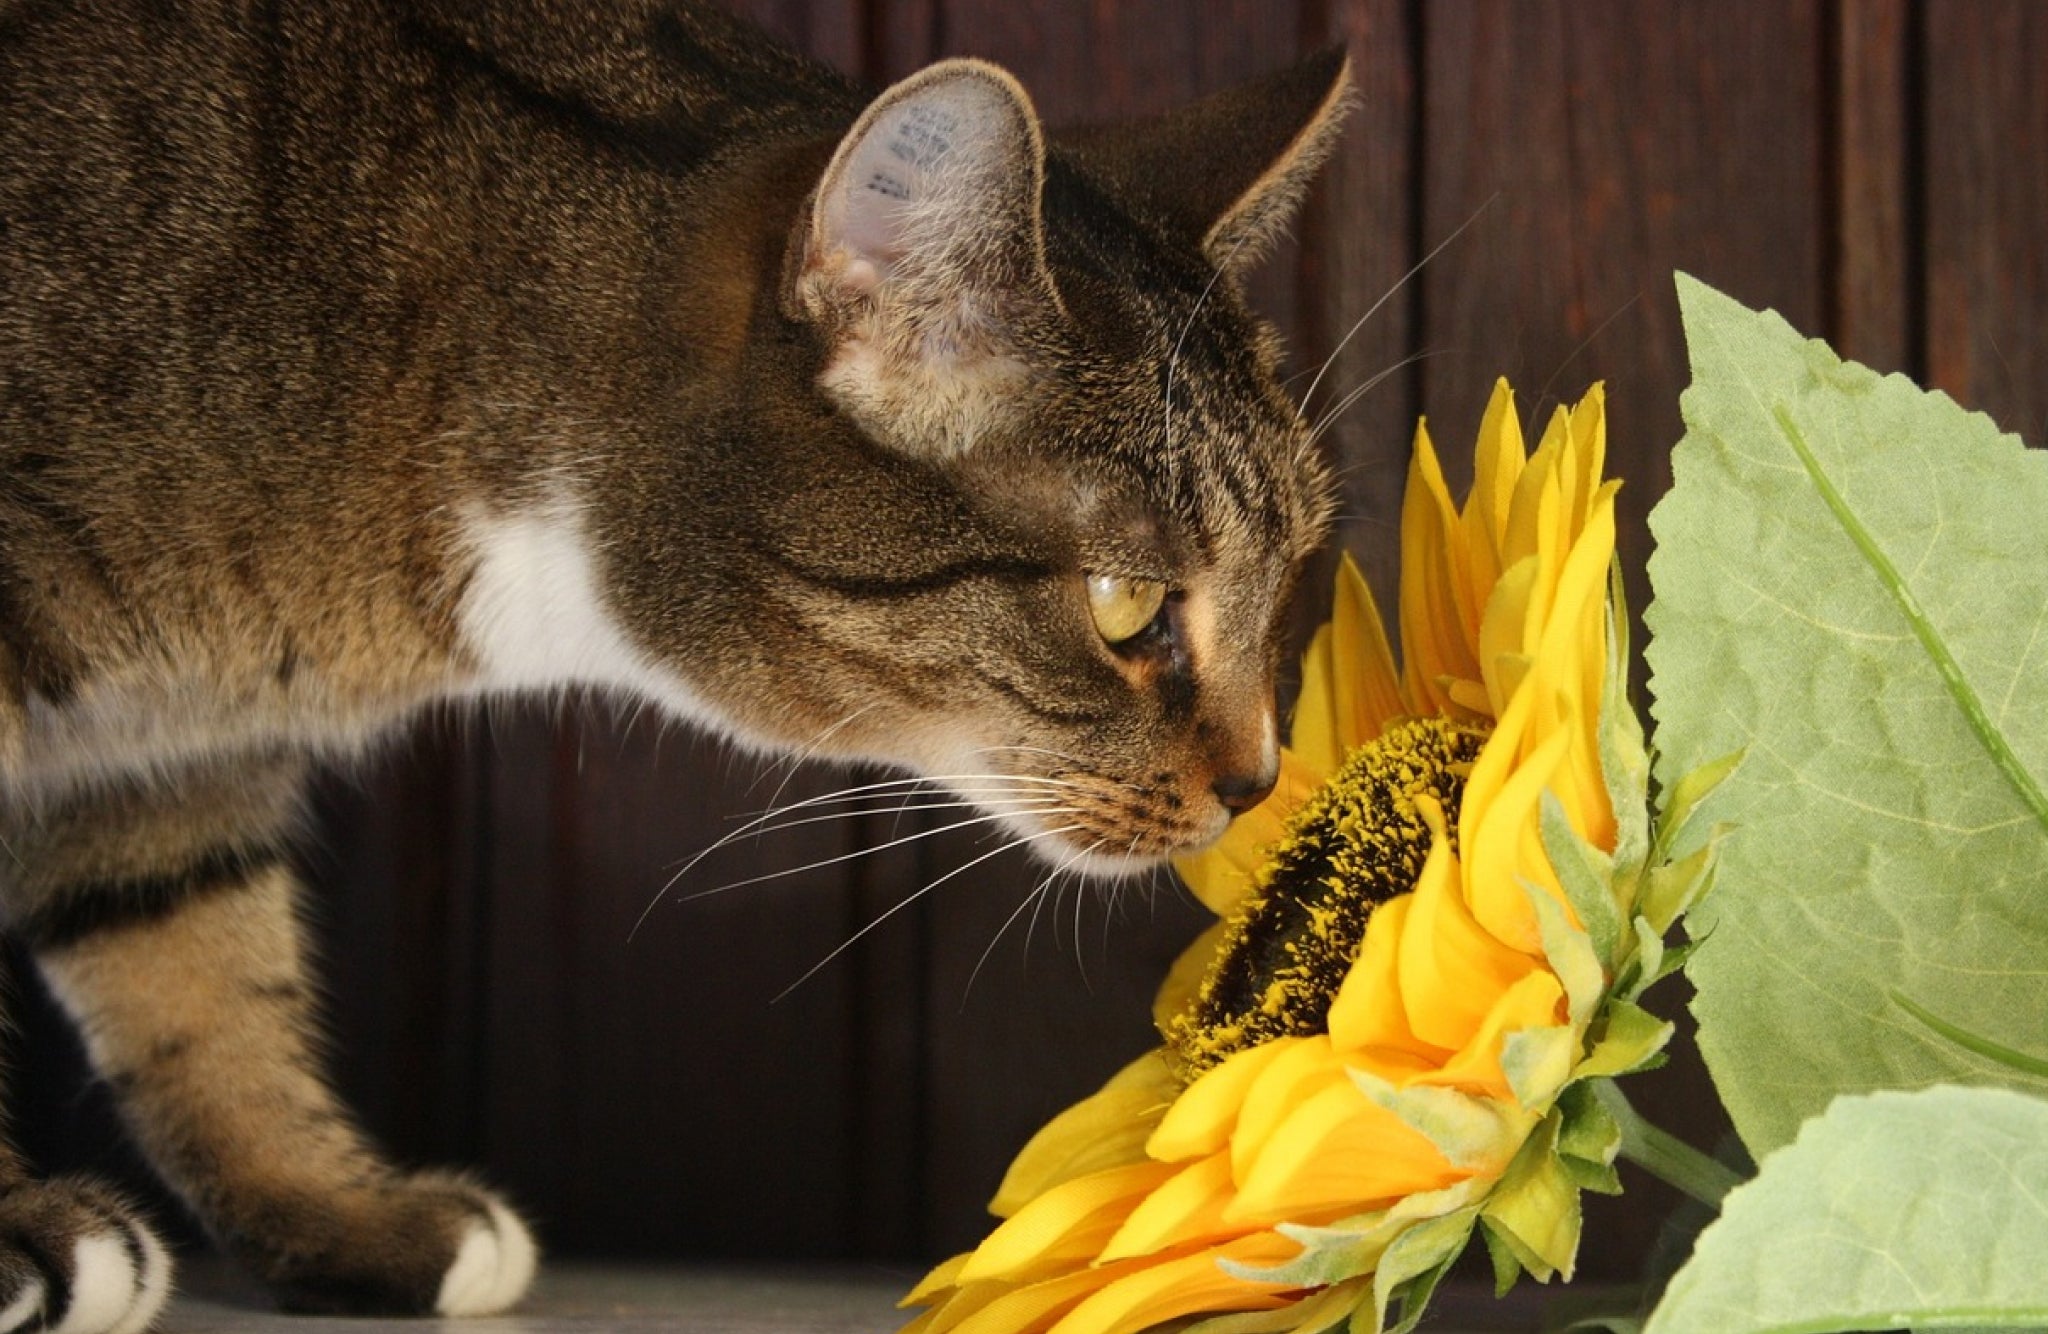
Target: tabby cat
(366, 353)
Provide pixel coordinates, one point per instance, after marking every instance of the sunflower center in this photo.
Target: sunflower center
(1359, 841)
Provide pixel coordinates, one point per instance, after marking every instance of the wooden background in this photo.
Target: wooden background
(1875, 169)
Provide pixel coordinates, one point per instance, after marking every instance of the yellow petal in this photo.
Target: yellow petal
(1312, 1315)
(1068, 1224)
(1506, 652)
(1106, 1129)
(1297, 1074)
(1368, 1019)
(1500, 823)
(942, 1276)
(1188, 1208)
(1535, 1001)
(1366, 689)
(1201, 1120)
(1313, 734)
(1031, 1308)
(1337, 1153)
(1436, 644)
(1452, 968)
(1496, 467)
(1186, 1286)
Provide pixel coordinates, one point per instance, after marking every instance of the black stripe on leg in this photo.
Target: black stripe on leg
(88, 907)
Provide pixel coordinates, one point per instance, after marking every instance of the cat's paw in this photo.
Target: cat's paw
(426, 1244)
(76, 1259)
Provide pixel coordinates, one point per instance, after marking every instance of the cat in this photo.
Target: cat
(362, 354)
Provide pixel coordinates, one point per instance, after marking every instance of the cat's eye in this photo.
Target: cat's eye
(1122, 607)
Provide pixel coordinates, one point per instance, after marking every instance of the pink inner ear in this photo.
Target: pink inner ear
(886, 180)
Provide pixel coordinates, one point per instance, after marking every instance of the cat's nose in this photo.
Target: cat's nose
(1240, 792)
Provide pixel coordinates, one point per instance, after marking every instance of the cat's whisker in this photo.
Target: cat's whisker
(964, 867)
(886, 845)
(1584, 343)
(766, 821)
(1012, 805)
(1036, 892)
(1329, 419)
(886, 789)
(1388, 295)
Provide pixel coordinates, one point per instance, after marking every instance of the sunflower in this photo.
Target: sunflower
(1402, 1028)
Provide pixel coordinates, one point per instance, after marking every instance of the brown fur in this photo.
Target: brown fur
(362, 354)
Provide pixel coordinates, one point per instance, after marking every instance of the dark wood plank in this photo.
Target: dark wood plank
(1356, 303)
(834, 31)
(1987, 194)
(1873, 249)
(649, 1092)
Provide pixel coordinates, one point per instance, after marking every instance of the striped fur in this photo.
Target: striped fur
(357, 356)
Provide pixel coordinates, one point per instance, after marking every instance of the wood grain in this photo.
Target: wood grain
(1986, 198)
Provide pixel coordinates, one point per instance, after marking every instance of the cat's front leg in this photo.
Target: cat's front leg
(165, 924)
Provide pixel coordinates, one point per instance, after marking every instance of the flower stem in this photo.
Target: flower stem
(1665, 1156)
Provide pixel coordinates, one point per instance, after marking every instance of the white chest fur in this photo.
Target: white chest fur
(534, 617)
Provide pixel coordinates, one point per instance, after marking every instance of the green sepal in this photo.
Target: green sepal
(1351, 1248)
(1588, 1140)
(1415, 1295)
(1599, 1179)
(1587, 877)
(1624, 760)
(1538, 1062)
(1424, 1250)
(1570, 953)
(1465, 1129)
(1672, 887)
(1631, 1038)
(1536, 1206)
(1674, 960)
(1507, 1266)
(1682, 801)
(1644, 962)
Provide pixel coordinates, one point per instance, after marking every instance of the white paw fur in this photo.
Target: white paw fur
(26, 1306)
(111, 1293)
(493, 1267)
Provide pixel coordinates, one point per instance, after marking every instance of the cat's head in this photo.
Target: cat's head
(1061, 593)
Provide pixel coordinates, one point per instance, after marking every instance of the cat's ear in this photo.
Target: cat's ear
(1229, 170)
(922, 258)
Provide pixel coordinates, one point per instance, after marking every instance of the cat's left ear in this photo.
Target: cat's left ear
(922, 259)
(1230, 170)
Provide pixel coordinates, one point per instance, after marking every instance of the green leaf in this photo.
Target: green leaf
(1927, 1209)
(1849, 590)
